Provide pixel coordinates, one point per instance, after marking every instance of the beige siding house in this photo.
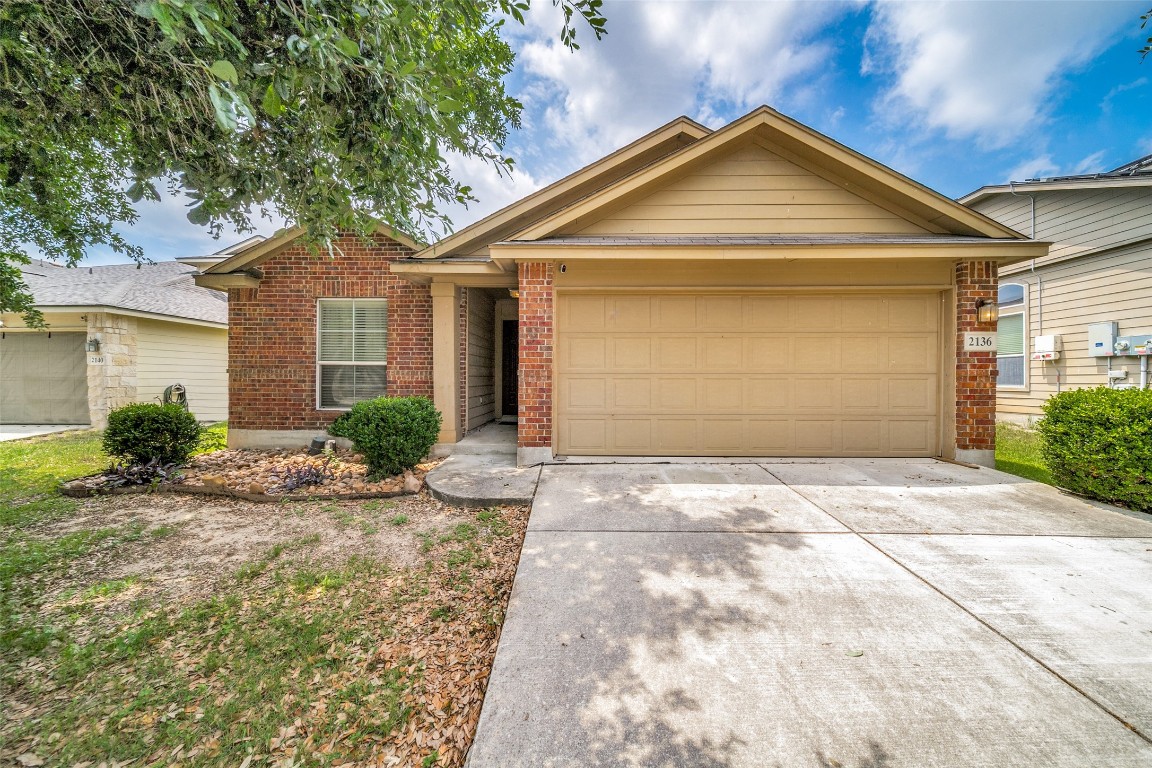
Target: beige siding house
(757, 290)
(1099, 270)
(116, 335)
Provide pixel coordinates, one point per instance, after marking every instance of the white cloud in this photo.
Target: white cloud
(1091, 164)
(984, 71)
(491, 189)
(1033, 168)
(659, 60)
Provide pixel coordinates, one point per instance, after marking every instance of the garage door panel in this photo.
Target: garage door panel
(721, 313)
(677, 353)
(585, 312)
(853, 375)
(675, 313)
(724, 394)
(585, 353)
(630, 314)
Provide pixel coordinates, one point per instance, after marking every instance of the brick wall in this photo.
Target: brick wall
(535, 429)
(272, 331)
(975, 371)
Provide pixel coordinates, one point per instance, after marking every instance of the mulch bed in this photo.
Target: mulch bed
(267, 475)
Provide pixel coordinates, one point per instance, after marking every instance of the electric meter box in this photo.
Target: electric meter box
(1047, 347)
(1136, 345)
(1102, 339)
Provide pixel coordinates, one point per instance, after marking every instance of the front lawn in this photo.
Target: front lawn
(1018, 452)
(165, 629)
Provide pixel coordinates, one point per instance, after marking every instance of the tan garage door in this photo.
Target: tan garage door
(753, 375)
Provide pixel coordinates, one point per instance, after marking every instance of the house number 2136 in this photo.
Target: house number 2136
(979, 342)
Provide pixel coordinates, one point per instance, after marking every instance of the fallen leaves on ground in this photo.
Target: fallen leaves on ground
(331, 661)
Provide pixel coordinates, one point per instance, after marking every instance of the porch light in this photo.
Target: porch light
(987, 311)
(514, 293)
(93, 345)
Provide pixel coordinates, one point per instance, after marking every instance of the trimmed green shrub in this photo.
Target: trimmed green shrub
(146, 431)
(393, 433)
(1098, 442)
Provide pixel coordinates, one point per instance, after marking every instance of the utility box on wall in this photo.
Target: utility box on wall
(1047, 347)
(1137, 345)
(1102, 339)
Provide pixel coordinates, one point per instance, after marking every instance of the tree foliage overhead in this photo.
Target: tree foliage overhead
(337, 114)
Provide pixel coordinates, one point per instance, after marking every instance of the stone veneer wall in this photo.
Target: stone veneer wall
(975, 371)
(111, 383)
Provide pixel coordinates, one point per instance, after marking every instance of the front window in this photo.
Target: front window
(351, 351)
(1010, 338)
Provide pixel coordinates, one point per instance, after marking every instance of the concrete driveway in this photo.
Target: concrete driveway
(854, 613)
(21, 431)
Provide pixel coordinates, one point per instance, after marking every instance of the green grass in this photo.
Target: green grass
(213, 438)
(33, 468)
(1018, 453)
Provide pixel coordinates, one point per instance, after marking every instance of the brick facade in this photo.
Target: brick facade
(536, 301)
(975, 371)
(272, 331)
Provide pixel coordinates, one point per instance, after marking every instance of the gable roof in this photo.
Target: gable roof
(662, 142)
(165, 289)
(798, 144)
(258, 251)
(1137, 173)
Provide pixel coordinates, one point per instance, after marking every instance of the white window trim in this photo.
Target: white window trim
(316, 350)
(1020, 309)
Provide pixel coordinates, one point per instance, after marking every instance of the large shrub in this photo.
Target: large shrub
(1098, 442)
(393, 433)
(145, 431)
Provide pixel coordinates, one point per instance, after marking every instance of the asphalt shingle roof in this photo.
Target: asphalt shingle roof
(164, 288)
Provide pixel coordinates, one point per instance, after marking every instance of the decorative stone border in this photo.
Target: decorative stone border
(84, 492)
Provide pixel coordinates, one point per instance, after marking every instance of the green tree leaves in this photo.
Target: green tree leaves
(337, 114)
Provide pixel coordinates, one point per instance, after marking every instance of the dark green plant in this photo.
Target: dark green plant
(392, 433)
(304, 476)
(1098, 442)
(154, 471)
(145, 431)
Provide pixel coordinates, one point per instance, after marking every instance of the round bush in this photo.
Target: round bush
(1098, 442)
(146, 431)
(393, 433)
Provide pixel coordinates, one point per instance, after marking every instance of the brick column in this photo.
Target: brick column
(535, 387)
(975, 371)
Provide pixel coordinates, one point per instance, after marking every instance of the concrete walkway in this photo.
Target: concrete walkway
(863, 614)
(21, 431)
(482, 471)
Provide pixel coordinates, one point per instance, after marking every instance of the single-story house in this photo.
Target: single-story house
(116, 335)
(1061, 315)
(756, 290)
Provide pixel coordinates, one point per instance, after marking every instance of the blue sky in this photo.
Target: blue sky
(954, 94)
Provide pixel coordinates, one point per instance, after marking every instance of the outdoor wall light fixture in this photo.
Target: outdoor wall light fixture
(987, 311)
(93, 345)
(514, 293)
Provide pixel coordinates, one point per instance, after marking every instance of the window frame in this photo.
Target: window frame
(1016, 308)
(319, 364)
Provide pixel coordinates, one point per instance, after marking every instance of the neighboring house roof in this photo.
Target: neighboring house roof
(207, 260)
(1137, 173)
(165, 289)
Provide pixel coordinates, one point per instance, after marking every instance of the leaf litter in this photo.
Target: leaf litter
(232, 633)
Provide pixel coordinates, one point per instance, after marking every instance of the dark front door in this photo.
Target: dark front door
(509, 368)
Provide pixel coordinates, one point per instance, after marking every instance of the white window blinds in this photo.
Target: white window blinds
(352, 351)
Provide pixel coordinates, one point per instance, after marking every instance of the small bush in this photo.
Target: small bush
(393, 433)
(145, 431)
(1098, 442)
